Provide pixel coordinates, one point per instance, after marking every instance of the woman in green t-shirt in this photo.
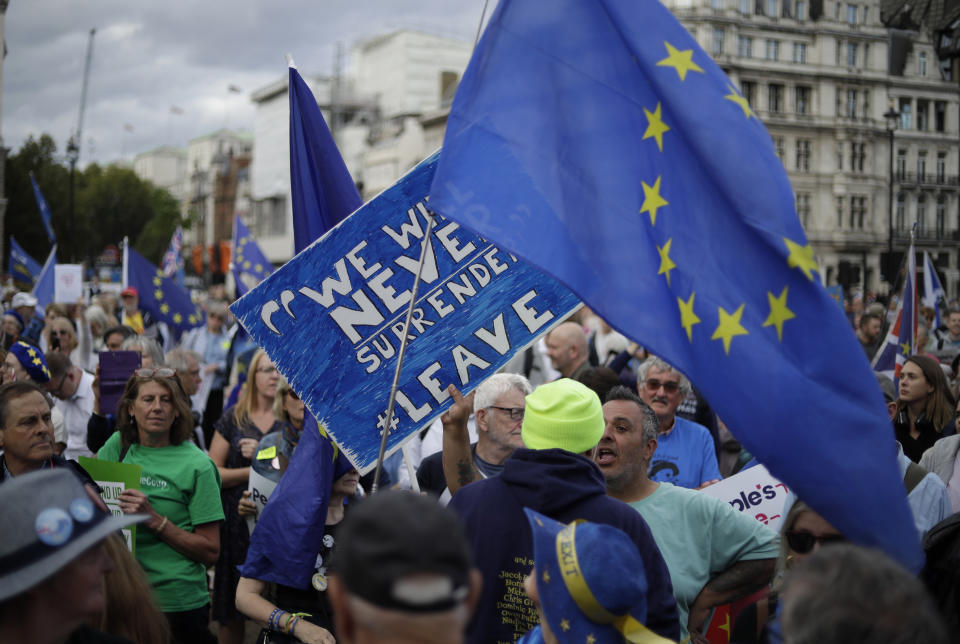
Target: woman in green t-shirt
(179, 490)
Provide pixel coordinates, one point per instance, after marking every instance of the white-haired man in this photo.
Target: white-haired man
(498, 404)
(685, 453)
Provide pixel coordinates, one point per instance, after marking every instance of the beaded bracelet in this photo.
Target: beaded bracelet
(274, 622)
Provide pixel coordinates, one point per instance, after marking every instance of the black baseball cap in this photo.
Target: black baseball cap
(400, 550)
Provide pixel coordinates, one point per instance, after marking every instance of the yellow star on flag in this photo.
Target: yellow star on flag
(164, 308)
(735, 97)
(666, 264)
(801, 257)
(905, 348)
(729, 327)
(779, 313)
(546, 577)
(192, 318)
(652, 201)
(177, 318)
(258, 268)
(246, 265)
(37, 361)
(158, 294)
(157, 281)
(682, 61)
(564, 625)
(687, 317)
(591, 639)
(655, 126)
(243, 241)
(31, 353)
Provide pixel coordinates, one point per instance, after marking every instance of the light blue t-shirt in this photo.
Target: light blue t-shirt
(685, 456)
(699, 537)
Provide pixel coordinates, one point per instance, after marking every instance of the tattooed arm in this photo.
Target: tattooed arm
(458, 467)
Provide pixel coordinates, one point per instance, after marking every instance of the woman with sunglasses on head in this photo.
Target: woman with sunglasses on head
(802, 533)
(924, 408)
(179, 491)
(234, 445)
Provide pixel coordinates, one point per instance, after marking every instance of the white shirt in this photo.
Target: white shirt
(76, 412)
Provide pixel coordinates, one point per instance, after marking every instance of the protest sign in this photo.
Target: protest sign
(754, 491)
(332, 318)
(260, 490)
(67, 283)
(114, 478)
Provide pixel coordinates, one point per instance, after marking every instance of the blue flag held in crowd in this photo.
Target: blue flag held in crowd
(164, 298)
(22, 267)
(250, 265)
(901, 339)
(44, 210)
(598, 141)
(43, 289)
(172, 263)
(932, 290)
(321, 190)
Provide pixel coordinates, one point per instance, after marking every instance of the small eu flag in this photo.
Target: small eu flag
(598, 141)
(22, 267)
(164, 298)
(250, 265)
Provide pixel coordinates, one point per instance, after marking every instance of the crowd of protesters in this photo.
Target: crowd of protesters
(586, 455)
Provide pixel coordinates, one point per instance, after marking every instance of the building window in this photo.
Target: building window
(772, 8)
(772, 49)
(921, 214)
(270, 217)
(780, 145)
(941, 166)
(941, 222)
(939, 115)
(851, 14)
(801, 10)
(850, 107)
(900, 213)
(745, 47)
(922, 166)
(838, 6)
(717, 41)
(775, 98)
(922, 64)
(799, 52)
(857, 155)
(923, 115)
(802, 96)
(839, 155)
(865, 61)
(901, 164)
(716, 4)
(906, 122)
(749, 91)
(837, 49)
(851, 54)
(865, 9)
(858, 211)
(840, 212)
(803, 208)
(803, 155)
(745, 7)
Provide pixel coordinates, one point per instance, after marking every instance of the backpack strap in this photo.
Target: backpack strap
(123, 453)
(913, 476)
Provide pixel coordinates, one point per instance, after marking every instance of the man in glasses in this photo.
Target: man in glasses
(685, 454)
(714, 553)
(498, 405)
(73, 387)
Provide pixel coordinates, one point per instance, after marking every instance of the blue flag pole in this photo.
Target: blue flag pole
(45, 215)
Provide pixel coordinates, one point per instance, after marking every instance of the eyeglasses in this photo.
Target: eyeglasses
(160, 372)
(61, 332)
(57, 391)
(652, 384)
(515, 413)
(266, 370)
(292, 394)
(803, 542)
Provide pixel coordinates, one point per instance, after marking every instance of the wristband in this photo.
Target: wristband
(163, 524)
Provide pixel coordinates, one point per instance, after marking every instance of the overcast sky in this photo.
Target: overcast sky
(150, 55)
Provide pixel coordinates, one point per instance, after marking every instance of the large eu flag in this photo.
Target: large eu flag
(321, 190)
(162, 296)
(598, 141)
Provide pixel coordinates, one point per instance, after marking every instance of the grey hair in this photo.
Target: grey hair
(179, 359)
(430, 627)
(650, 422)
(496, 385)
(662, 365)
(146, 345)
(96, 315)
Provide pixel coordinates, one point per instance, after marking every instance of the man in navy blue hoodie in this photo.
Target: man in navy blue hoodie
(563, 420)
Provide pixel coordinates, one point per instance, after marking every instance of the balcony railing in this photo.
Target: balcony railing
(926, 179)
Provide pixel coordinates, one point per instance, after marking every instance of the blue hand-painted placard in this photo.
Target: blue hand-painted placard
(332, 317)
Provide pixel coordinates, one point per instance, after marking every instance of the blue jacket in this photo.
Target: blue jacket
(564, 487)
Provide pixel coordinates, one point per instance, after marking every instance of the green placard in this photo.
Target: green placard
(114, 478)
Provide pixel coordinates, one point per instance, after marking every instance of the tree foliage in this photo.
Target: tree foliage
(111, 203)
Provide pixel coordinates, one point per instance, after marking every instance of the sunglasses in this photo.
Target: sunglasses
(292, 394)
(803, 542)
(160, 372)
(652, 384)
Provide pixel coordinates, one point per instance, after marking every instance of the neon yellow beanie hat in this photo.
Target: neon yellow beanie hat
(564, 414)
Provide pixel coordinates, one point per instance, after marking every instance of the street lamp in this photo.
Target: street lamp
(892, 118)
